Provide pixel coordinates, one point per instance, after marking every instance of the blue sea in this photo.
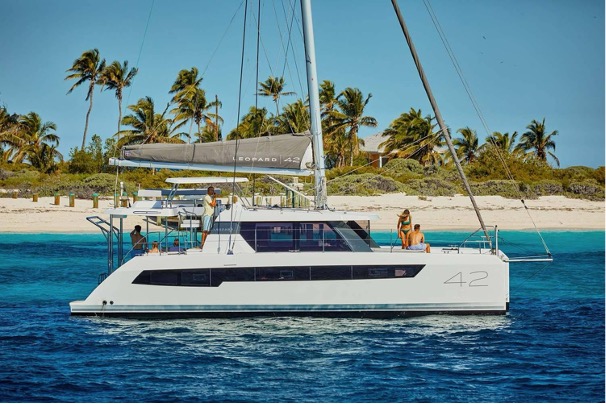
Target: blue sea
(549, 348)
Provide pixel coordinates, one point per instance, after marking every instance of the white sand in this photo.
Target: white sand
(448, 213)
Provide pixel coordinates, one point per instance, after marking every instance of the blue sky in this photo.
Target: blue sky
(523, 59)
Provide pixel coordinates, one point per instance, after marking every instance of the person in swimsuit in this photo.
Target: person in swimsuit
(404, 227)
(416, 240)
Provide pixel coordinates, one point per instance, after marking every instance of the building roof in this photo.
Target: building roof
(372, 142)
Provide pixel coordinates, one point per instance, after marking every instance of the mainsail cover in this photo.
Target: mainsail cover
(280, 154)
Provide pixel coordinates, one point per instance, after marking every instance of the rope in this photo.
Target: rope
(130, 90)
(233, 186)
(467, 88)
(212, 56)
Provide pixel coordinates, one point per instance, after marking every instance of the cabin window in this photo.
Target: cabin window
(199, 277)
(273, 237)
(214, 277)
(320, 237)
(170, 278)
(331, 273)
(232, 275)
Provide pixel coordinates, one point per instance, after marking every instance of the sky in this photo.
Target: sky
(523, 60)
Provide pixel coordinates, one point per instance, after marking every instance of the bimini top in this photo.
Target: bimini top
(282, 154)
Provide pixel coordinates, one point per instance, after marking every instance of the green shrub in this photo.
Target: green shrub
(586, 190)
(349, 170)
(432, 187)
(548, 187)
(504, 188)
(364, 184)
(574, 173)
(404, 166)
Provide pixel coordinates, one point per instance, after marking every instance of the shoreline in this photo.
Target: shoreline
(433, 213)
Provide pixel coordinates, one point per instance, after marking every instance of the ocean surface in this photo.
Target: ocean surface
(549, 348)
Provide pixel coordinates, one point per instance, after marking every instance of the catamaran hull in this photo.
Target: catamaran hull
(446, 284)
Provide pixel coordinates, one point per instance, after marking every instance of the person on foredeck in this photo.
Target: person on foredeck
(416, 240)
(154, 249)
(404, 227)
(138, 240)
(210, 201)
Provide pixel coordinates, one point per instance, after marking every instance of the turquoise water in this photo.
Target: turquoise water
(549, 348)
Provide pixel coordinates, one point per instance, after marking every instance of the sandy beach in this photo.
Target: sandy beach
(433, 213)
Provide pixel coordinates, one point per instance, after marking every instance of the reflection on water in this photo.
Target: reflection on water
(434, 325)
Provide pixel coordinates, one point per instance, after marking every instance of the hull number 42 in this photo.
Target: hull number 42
(471, 279)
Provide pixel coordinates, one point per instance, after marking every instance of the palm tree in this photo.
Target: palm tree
(87, 67)
(254, 123)
(328, 98)
(116, 77)
(503, 141)
(294, 118)
(467, 147)
(148, 126)
(191, 100)
(274, 87)
(34, 142)
(413, 136)
(537, 142)
(350, 116)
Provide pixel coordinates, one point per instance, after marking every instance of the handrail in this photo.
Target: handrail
(97, 221)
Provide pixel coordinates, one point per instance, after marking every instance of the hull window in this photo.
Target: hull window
(213, 277)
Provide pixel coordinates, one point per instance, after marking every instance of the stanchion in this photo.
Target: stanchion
(95, 201)
(35, 197)
(72, 201)
(135, 196)
(57, 199)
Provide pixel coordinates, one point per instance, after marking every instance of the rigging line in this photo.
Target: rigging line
(141, 47)
(466, 85)
(232, 240)
(389, 169)
(212, 56)
(299, 24)
(257, 92)
(289, 45)
(282, 46)
(477, 108)
(130, 90)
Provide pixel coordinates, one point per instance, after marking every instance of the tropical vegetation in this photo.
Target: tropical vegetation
(506, 163)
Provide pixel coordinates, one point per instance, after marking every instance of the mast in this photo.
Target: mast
(436, 111)
(314, 106)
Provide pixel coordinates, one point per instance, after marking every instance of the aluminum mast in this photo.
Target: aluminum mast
(314, 106)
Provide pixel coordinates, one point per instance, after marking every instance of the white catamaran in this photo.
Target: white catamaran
(277, 261)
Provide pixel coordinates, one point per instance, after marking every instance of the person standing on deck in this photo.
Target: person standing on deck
(138, 240)
(404, 227)
(210, 201)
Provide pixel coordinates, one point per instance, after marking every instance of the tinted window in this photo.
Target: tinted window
(199, 277)
(320, 237)
(331, 273)
(164, 278)
(275, 237)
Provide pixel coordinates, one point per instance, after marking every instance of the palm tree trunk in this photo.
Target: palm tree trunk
(119, 116)
(90, 107)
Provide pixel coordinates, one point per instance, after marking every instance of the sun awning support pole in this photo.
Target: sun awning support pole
(436, 111)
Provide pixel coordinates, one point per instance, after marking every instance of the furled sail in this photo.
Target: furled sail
(281, 154)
